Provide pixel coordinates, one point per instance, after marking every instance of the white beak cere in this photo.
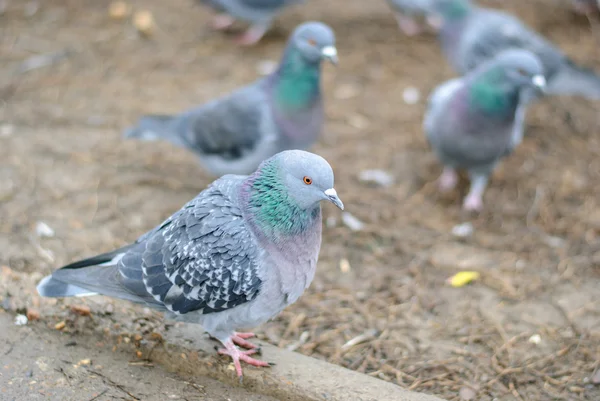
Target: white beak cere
(539, 81)
(330, 53)
(333, 198)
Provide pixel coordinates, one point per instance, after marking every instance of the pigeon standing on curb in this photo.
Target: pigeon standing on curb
(407, 11)
(474, 121)
(233, 134)
(259, 13)
(233, 257)
(471, 35)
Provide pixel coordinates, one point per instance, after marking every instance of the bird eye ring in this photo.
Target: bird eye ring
(312, 42)
(307, 180)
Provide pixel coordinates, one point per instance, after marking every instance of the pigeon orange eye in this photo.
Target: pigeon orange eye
(522, 72)
(312, 42)
(307, 180)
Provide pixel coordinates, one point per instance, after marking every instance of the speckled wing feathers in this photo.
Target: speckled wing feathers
(201, 259)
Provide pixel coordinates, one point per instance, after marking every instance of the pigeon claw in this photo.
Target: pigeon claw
(237, 356)
(240, 339)
(221, 22)
(252, 36)
(448, 180)
(473, 203)
(408, 25)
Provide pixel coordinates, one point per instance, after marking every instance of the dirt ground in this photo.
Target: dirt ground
(528, 330)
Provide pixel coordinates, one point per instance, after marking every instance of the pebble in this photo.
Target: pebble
(411, 95)
(32, 314)
(345, 265)
(462, 230)
(358, 121)
(346, 91)
(535, 339)
(352, 222)
(21, 320)
(144, 22)
(118, 10)
(82, 310)
(43, 230)
(266, 67)
(6, 130)
(466, 393)
(379, 177)
(31, 9)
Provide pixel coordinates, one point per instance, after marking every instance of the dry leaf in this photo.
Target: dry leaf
(463, 278)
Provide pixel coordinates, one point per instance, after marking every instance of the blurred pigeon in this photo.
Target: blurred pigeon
(407, 11)
(585, 6)
(471, 34)
(283, 110)
(233, 257)
(474, 121)
(259, 13)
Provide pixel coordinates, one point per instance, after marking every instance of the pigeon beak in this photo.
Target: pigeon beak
(539, 82)
(330, 53)
(332, 196)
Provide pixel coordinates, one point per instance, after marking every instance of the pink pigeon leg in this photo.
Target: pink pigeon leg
(252, 35)
(237, 356)
(408, 25)
(474, 200)
(434, 22)
(240, 339)
(448, 179)
(222, 21)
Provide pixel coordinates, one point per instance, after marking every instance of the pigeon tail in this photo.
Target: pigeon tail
(575, 80)
(53, 288)
(151, 128)
(98, 275)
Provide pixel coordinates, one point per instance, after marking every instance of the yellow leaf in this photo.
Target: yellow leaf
(463, 278)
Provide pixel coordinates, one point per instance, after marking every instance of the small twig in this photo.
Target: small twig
(98, 395)
(565, 315)
(118, 386)
(366, 336)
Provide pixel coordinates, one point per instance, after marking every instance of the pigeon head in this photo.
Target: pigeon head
(497, 84)
(285, 192)
(315, 41)
(307, 178)
(450, 10)
(516, 68)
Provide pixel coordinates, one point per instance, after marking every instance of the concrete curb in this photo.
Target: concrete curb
(295, 377)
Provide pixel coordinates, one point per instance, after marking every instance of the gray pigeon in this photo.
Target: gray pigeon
(233, 257)
(233, 134)
(259, 13)
(408, 11)
(474, 121)
(471, 34)
(586, 7)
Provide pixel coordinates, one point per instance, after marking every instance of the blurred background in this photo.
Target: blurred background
(73, 75)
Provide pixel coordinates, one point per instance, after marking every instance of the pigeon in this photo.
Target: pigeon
(470, 35)
(259, 13)
(284, 110)
(586, 7)
(233, 257)
(406, 11)
(475, 121)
